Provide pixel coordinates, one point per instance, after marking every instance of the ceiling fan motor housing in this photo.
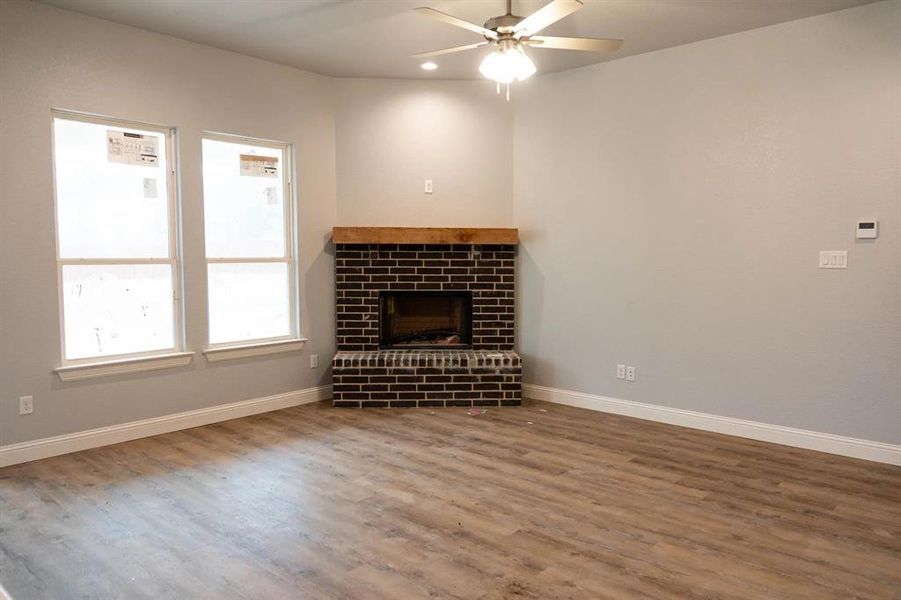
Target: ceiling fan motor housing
(503, 24)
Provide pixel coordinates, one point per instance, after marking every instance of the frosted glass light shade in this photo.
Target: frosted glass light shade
(505, 65)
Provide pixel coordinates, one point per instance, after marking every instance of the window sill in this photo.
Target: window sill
(258, 349)
(124, 366)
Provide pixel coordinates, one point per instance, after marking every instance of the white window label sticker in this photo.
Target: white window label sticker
(132, 148)
(271, 194)
(150, 187)
(259, 166)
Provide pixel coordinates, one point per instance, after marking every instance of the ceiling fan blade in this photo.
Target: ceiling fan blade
(449, 50)
(566, 43)
(546, 15)
(437, 14)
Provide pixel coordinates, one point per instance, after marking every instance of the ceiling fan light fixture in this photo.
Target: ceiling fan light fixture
(428, 66)
(509, 34)
(506, 64)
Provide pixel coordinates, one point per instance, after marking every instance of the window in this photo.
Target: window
(249, 240)
(116, 239)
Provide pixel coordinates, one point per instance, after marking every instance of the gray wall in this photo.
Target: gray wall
(53, 58)
(672, 207)
(392, 135)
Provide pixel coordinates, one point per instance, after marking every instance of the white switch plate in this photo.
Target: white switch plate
(620, 371)
(833, 259)
(630, 373)
(314, 361)
(428, 186)
(26, 405)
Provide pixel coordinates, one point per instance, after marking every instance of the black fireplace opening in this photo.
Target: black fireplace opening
(425, 319)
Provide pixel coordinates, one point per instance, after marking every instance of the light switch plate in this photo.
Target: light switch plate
(833, 259)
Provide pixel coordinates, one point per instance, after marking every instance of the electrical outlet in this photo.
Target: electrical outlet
(26, 405)
(428, 186)
(314, 361)
(620, 371)
(630, 373)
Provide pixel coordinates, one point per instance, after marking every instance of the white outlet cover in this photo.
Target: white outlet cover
(314, 361)
(630, 373)
(620, 371)
(26, 405)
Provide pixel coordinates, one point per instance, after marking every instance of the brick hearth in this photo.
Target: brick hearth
(405, 378)
(366, 376)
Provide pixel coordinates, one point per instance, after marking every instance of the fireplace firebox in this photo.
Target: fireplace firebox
(425, 319)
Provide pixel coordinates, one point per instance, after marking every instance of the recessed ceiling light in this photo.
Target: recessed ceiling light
(429, 66)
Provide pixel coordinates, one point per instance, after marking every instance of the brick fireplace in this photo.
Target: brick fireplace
(425, 317)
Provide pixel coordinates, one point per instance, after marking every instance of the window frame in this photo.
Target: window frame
(266, 345)
(174, 230)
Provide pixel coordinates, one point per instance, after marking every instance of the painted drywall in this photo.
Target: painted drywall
(51, 58)
(392, 135)
(672, 206)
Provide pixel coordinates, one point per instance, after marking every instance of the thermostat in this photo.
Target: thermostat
(867, 230)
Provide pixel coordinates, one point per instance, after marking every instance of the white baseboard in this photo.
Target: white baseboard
(104, 436)
(777, 434)
(787, 436)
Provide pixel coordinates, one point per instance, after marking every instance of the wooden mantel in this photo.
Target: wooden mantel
(424, 235)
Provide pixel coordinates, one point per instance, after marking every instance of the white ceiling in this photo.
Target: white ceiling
(374, 38)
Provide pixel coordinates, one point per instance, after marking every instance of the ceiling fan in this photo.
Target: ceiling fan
(510, 34)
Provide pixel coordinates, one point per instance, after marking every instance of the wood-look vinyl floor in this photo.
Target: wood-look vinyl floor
(538, 502)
